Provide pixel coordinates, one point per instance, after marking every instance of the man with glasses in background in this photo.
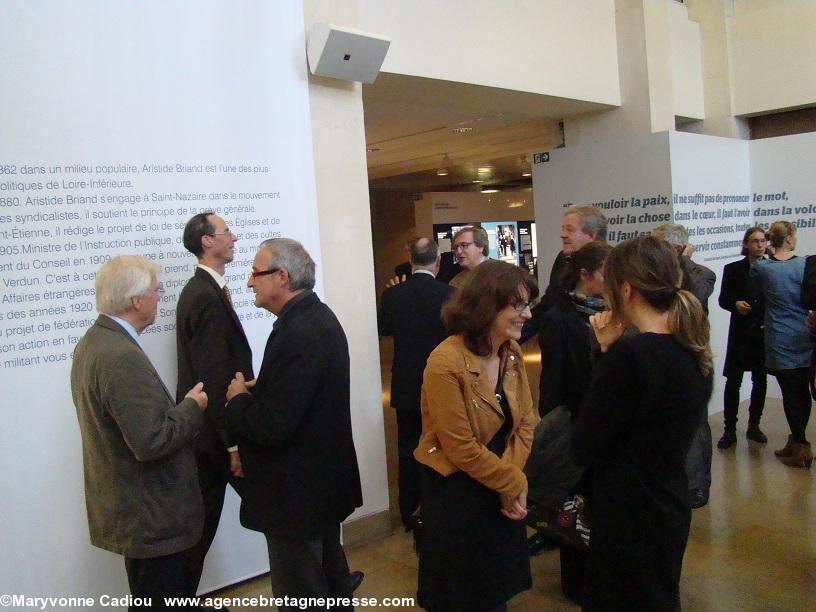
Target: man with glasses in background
(212, 347)
(470, 248)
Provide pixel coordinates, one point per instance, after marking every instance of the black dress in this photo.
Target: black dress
(647, 398)
(471, 557)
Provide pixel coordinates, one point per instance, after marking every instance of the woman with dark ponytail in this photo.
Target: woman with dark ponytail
(647, 397)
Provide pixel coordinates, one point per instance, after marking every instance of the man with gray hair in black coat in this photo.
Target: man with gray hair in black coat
(293, 426)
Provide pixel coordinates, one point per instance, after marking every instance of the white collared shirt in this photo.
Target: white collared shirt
(216, 276)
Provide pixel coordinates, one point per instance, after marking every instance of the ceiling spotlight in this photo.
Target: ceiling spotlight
(461, 130)
(478, 181)
(442, 172)
(490, 190)
(372, 149)
(526, 174)
(485, 170)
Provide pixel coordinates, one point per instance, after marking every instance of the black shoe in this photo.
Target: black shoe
(537, 543)
(698, 498)
(356, 579)
(755, 433)
(729, 438)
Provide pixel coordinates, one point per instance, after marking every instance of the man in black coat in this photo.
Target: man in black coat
(293, 426)
(700, 281)
(745, 351)
(211, 347)
(410, 312)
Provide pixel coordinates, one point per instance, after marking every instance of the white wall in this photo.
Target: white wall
(772, 54)
(686, 63)
(345, 242)
(561, 48)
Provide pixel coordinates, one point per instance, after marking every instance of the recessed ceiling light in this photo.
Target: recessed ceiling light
(372, 149)
(526, 174)
(490, 190)
(478, 181)
(485, 170)
(461, 130)
(442, 172)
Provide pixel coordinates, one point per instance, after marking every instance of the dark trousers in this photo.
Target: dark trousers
(796, 400)
(309, 567)
(759, 387)
(698, 460)
(409, 429)
(160, 577)
(213, 476)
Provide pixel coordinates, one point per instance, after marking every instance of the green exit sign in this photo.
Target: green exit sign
(540, 158)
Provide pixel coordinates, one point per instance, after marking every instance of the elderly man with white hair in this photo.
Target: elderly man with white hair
(141, 490)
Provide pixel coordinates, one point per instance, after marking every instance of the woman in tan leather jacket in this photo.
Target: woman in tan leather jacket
(477, 429)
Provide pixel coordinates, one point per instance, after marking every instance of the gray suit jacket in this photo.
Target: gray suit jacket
(141, 489)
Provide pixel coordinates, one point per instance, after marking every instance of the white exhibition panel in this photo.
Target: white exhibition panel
(716, 187)
(120, 120)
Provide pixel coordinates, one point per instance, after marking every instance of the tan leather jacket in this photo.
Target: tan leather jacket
(460, 415)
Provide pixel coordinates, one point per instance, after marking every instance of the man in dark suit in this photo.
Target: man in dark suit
(293, 426)
(141, 492)
(745, 351)
(211, 346)
(581, 224)
(410, 312)
(700, 281)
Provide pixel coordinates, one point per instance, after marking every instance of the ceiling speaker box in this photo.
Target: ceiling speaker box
(343, 53)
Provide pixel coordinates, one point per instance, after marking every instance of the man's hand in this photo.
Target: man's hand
(742, 307)
(235, 465)
(396, 280)
(197, 394)
(238, 386)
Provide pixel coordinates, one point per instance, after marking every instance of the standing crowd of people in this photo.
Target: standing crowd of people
(618, 446)
(620, 440)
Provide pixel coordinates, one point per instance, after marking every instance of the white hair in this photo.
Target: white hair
(120, 279)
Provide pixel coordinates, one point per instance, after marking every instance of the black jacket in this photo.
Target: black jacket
(566, 368)
(745, 350)
(294, 428)
(212, 347)
(410, 312)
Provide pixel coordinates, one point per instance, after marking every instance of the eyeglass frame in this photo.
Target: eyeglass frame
(256, 273)
(227, 231)
(525, 305)
(462, 246)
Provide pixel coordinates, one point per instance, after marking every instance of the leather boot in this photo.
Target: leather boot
(801, 456)
(787, 451)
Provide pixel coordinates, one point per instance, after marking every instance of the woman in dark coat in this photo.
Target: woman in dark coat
(746, 348)
(648, 395)
(565, 338)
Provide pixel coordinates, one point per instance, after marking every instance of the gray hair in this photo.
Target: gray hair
(290, 254)
(673, 233)
(423, 252)
(120, 279)
(593, 219)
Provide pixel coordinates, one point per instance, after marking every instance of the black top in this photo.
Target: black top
(646, 400)
(498, 442)
(294, 427)
(410, 312)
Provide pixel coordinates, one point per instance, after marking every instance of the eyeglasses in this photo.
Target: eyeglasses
(160, 289)
(461, 246)
(226, 232)
(521, 306)
(257, 273)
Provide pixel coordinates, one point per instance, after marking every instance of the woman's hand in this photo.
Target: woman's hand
(605, 330)
(514, 508)
(742, 307)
